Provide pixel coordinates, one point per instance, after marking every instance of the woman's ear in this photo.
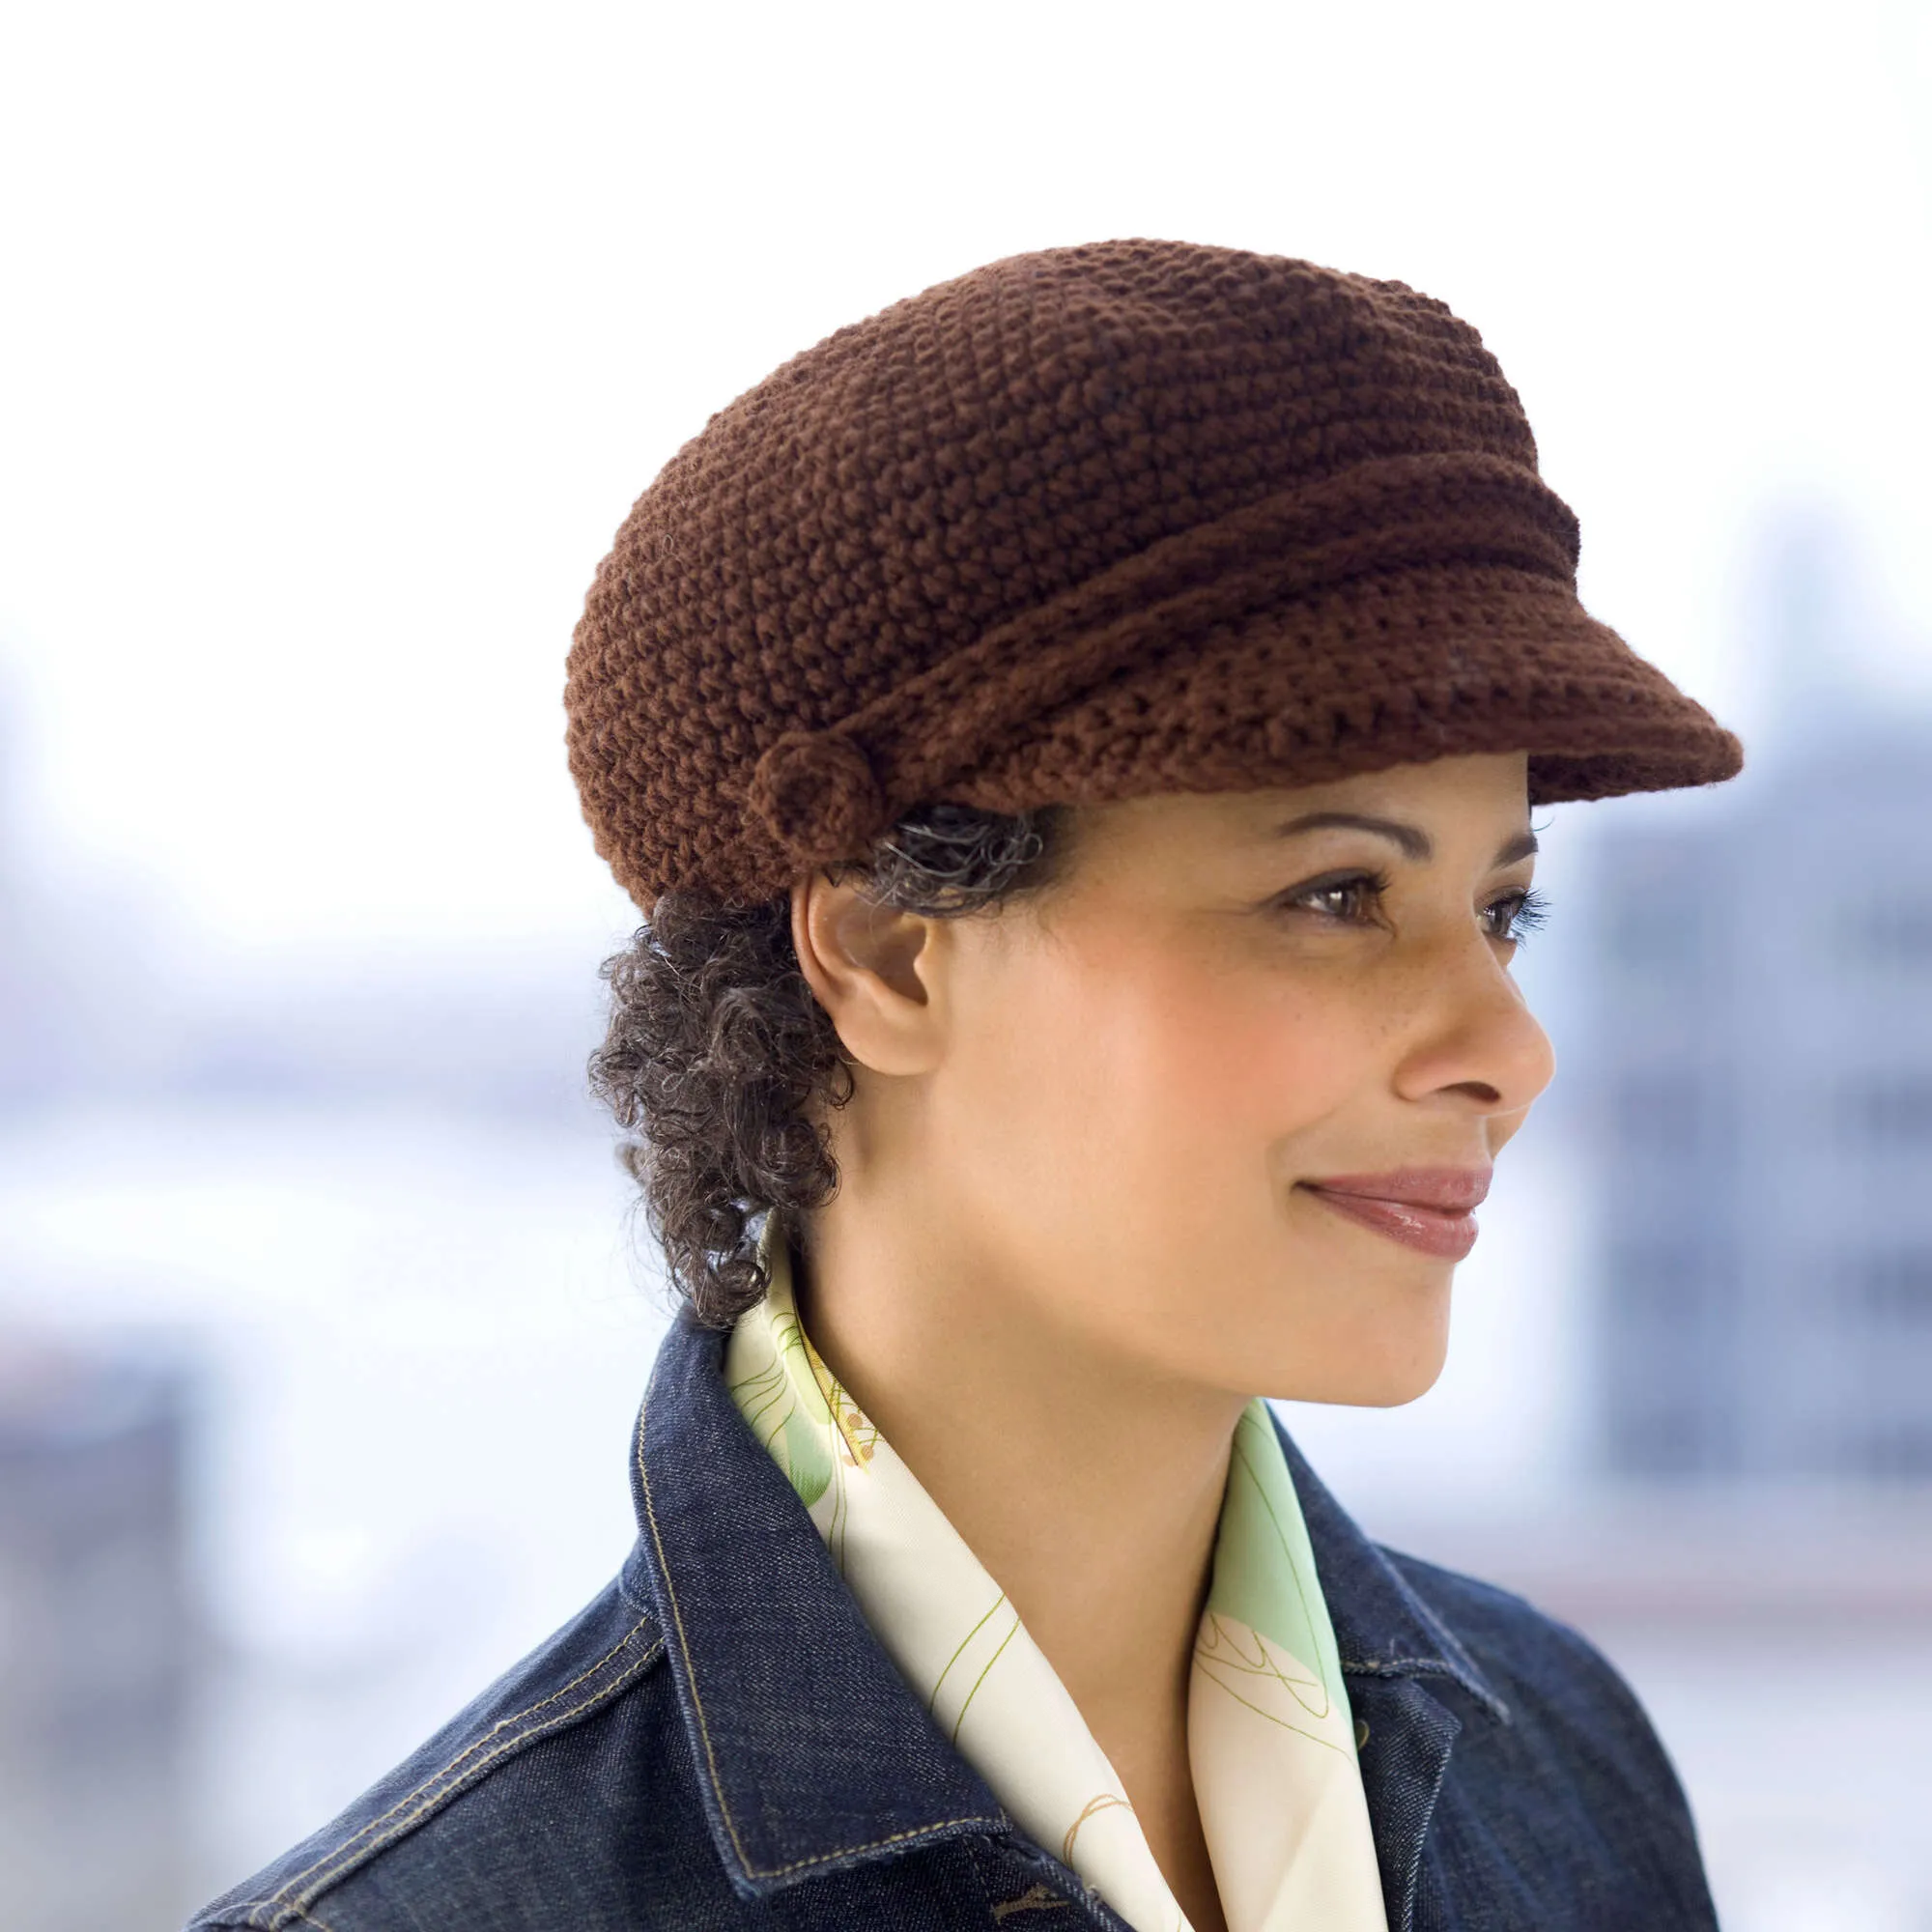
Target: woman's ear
(874, 969)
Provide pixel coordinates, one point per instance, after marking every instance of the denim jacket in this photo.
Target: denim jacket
(718, 1741)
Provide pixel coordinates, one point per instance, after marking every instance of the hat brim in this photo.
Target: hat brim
(1399, 668)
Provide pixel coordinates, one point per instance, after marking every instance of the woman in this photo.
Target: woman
(1073, 736)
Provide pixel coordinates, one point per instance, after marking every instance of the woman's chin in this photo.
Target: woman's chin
(1368, 1378)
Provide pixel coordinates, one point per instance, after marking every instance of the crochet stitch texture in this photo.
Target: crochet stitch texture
(1082, 525)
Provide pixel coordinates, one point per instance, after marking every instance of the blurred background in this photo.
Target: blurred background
(335, 344)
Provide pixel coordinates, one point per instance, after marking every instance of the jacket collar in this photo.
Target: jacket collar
(812, 1753)
(1382, 1626)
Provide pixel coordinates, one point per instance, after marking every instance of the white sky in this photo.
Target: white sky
(335, 342)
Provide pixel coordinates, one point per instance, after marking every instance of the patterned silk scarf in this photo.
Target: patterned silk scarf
(1270, 1736)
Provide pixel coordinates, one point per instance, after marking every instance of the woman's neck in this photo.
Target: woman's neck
(1088, 1484)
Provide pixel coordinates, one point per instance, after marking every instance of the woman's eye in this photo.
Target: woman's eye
(1515, 916)
(1352, 899)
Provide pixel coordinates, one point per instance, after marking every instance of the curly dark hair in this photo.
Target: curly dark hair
(718, 1052)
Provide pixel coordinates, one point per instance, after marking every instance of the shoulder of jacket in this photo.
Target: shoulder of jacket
(1539, 1664)
(1579, 1761)
(579, 1675)
(1493, 1621)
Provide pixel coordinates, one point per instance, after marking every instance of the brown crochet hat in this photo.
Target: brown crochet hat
(1082, 525)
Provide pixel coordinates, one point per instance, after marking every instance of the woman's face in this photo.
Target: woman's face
(1218, 1103)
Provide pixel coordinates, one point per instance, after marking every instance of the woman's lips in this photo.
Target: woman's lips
(1428, 1208)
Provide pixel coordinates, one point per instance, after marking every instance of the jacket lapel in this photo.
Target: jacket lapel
(1392, 1645)
(812, 1756)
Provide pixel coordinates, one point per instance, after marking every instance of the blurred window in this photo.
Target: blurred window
(1895, 932)
(1901, 1449)
(1661, 1111)
(1661, 1276)
(1895, 1109)
(1659, 932)
(1898, 1284)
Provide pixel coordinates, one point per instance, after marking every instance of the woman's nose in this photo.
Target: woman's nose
(1477, 1040)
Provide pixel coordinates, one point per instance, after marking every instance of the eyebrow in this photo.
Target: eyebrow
(1410, 840)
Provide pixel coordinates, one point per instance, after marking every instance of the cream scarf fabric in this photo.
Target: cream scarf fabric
(1270, 1736)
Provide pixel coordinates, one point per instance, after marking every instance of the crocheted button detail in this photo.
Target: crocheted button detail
(818, 795)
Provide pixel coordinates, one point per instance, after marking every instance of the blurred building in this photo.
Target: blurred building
(98, 1651)
(1764, 1088)
(25, 1023)
(109, 995)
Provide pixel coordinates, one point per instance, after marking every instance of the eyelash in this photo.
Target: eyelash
(1528, 909)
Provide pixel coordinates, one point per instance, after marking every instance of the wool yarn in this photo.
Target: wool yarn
(1082, 524)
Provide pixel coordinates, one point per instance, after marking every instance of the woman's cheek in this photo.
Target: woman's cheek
(1273, 1062)
(1205, 1083)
